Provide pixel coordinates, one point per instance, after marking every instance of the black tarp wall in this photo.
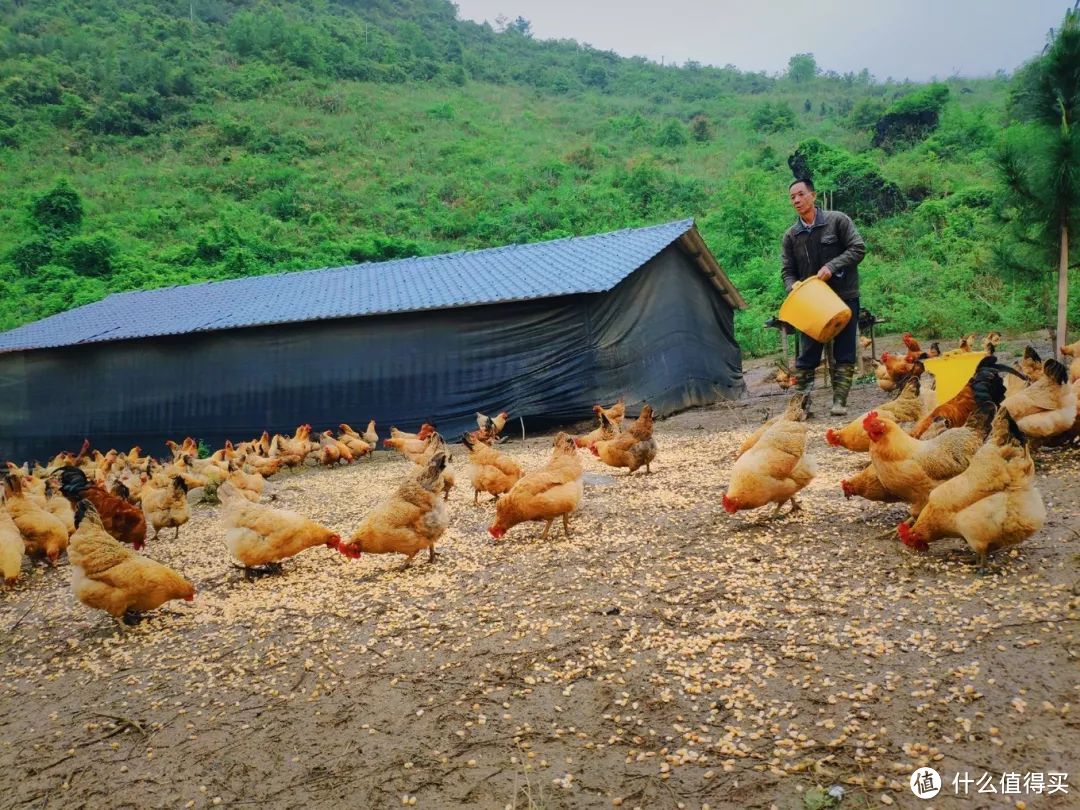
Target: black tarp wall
(663, 335)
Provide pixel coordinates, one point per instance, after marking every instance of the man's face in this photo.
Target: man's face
(802, 200)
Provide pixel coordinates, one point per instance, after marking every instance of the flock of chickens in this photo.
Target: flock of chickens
(965, 467)
(98, 507)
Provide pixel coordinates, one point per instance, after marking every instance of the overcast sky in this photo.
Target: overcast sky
(914, 39)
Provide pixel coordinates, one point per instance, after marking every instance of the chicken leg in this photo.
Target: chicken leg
(566, 523)
(547, 528)
(431, 554)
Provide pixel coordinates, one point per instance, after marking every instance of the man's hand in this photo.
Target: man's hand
(824, 273)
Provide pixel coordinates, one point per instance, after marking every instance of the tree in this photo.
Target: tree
(802, 67)
(1039, 160)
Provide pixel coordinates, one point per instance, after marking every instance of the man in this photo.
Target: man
(824, 244)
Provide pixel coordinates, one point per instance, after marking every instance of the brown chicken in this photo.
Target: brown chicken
(775, 468)
(1073, 351)
(122, 520)
(44, 535)
(794, 411)
(11, 549)
(108, 576)
(164, 500)
(785, 379)
(634, 449)
(898, 367)
(489, 470)
(410, 520)
(905, 407)
(553, 491)
(985, 385)
(357, 445)
(1047, 407)
(604, 431)
(406, 443)
(614, 414)
(370, 436)
(259, 537)
(492, 425)
(910, 468)
(866, 484)
(993, 504)
(911, 343)
(249, 483)
(56, 504)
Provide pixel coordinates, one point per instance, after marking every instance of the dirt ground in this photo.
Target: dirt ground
(666, 655)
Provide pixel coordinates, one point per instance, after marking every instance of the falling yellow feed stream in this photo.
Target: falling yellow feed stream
(952, 371)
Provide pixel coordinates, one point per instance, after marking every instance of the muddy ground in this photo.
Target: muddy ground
(666, 655)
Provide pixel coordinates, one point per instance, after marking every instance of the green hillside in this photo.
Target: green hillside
(145, 144)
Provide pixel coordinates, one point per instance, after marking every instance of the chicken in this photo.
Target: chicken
(865, 342)
(407, 522)
(425, 429)
(968, 342)
(164, 500)
(899, 367)
(260, 536)
(108, 576)
(327, 451)
(44, 535)
(614, 414)
(881, 374)
(606, 430)
(249, 483)
(492, 425)
(634, 449)
(436, 444)
(910, 468)
(370, 436)
(905, 407)
(1073, 351)
(123, 521)
(11, 549)
(991, 342)
(785, 379)
(775, 468)
(993, 504)
(358, 446)
(553, 491)
(56, 504)
(293, 451)
(911, 344)
(866, 484)
(263, 466)
(934, 350)
(406, 443)
(985, 385)
(794, 411)
(1047, 407)
(489, 470)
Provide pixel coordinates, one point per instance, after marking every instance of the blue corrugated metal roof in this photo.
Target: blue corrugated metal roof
(585, 264)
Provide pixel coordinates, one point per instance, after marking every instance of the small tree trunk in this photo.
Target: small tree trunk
(1063, 292)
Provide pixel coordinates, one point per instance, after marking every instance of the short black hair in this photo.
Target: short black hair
(796, 181)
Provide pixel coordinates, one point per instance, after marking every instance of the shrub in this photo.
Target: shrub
(58, 210)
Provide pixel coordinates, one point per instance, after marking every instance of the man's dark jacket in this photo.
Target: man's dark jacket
(831, 242)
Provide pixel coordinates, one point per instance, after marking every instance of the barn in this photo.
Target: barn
(542, 330)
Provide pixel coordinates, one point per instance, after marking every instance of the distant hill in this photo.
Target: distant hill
(152, 143)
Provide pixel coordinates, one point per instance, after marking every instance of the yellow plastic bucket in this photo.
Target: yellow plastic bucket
(815, 310)
(952, 371)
